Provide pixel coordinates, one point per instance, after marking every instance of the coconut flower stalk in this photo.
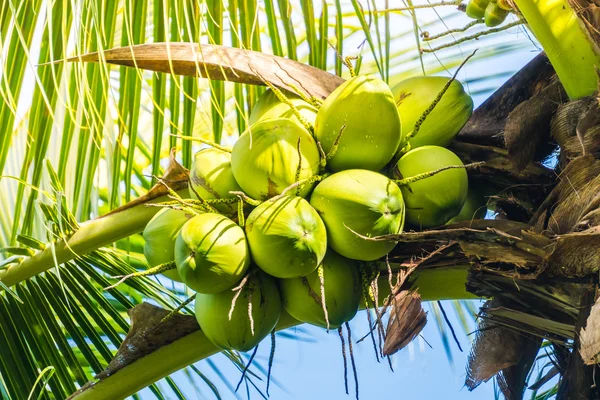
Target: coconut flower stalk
(566, 41)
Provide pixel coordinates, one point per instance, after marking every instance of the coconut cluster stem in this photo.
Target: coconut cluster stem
(179, 308)
(159, 269)
(283, 98)
(204, 141)
(424, 175)
(299, 169)
(566, 42)
(90, 236)
(427, 37)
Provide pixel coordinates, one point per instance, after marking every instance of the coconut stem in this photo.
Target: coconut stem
(179, 308)
(348, 64)
(312, 100)
(421, 6)
(424, 175)
(352, 358)
(472, 37)
(283, 98)
(203, 205)
(321, 274)
(240, 212)
(204, 141)
(336, 143)
(307, 181)
(344, 357)
(299, 169)
(247, 199)
(159, 269)
(174, 205)
(428, 110)
(271, 358)
(427, 38)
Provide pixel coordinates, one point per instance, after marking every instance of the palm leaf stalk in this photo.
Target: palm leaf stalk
(566, 42)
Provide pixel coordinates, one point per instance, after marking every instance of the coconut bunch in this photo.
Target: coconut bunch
(493, 12)
(282, 220)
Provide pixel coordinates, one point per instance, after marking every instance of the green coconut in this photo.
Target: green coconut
(494, 14)
(287, 237)
(211, 253)
(211, 178)
(476, 8)
(212, 313)
(365, 105)
(268, 106)
(301, 297)
(435, 200)
(160, 235)
(414, 95)
(475, 206)
(362, 201)
(265, 159)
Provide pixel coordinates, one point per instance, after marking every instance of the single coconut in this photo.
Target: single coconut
(414, 95)
(211, 253)
(365, 106)
(239, 332)
(160, 235)
(476, 8)
(495, 14)
(287, 238)
(362, 201)
(268, 106)
(265, 159)
(211, 178)
(434, 200)
(301, 297)
(475, 206)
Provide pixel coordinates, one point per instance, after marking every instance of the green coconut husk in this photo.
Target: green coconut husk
(236, 330)
(301, 297)
(160, 235)
(287, 237)
(364, 108)
(476, 8)
(265, 159)
(211, 178)
(414, 95)
(494, 14)
(434, 200)
(363, 202)
(268, 106)
(211, 253)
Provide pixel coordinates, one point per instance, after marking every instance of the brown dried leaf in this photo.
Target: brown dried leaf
(146, 335)
(590, 337)
(407, 320)
(512, 381)
(495, 348)
(176, 177)
(486, 126)
(221, 63)
(527, 128)
(576, 254)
